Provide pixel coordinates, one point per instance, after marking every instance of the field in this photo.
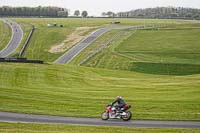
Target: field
(40, 128)
(165, 51)
(80, 91)
(45, 38)
(156, 70)
(5, 34)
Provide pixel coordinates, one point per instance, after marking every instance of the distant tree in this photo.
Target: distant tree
(158, 12)
(76, 13)
(162, 12)
(62, 14)
(103, 14)
(110, 14)
(34, 11)
(120, 14)
(84, 14)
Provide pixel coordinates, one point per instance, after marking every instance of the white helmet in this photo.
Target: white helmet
(118, 97)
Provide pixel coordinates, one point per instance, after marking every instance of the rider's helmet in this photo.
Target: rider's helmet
(118, 97)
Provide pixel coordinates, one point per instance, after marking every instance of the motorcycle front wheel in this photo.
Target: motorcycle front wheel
(128, 116)
(104, 116)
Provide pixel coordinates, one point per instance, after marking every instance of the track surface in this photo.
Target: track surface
(17, 35)
(74, 51)
(14, 117)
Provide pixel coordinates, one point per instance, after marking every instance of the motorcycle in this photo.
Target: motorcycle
(112, 113)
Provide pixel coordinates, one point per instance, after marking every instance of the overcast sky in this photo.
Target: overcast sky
(96, 7)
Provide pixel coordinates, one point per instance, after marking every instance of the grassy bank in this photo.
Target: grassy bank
(27, 128)
(84, 92)
(101, 41)
(46, 37)
(160, 51)
(5, 34)
(161, 77)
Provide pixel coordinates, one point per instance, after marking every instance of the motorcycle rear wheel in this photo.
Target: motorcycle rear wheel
(127, 117)
(104, 116)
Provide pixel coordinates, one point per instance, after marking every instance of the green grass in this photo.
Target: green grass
(94, 46)
(26, 27)
(162, 81)
(40, 128)
(168, 46)
(83, 92)
(5, 34)
(163, 51)
(44, 38)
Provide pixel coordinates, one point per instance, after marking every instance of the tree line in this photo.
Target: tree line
(39, 11)
(77, 13)
(158, 12)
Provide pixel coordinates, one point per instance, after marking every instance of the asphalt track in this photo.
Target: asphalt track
(28, 118)
(74, 51)
(17, 35)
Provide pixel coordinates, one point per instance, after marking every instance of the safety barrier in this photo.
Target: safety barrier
(20, 60)
(22, 52)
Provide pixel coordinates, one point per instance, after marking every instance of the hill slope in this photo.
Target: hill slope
(49, 43)
(80, 91)
(161, 80)
(165, 51)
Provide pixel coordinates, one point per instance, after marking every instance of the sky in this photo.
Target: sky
(96, 7)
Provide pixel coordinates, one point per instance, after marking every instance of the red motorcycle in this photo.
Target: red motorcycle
(112, 113)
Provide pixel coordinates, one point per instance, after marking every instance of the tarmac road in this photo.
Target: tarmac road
(69, 55)
(74, 51)
(17, 35)
(27, 118)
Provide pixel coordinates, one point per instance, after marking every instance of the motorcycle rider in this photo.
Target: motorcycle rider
(120, 103)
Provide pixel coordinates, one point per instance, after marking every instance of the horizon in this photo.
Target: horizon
(95, 8)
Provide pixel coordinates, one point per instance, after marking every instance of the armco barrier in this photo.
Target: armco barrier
(22, 52)
(20, 60)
